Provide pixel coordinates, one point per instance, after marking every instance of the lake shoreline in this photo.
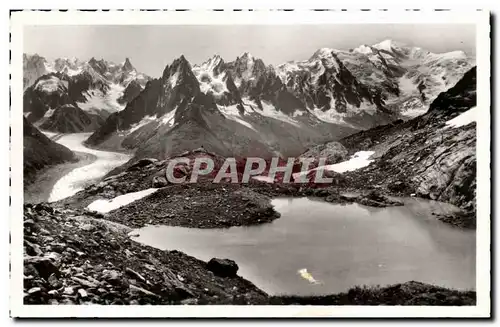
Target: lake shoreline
(117, 270)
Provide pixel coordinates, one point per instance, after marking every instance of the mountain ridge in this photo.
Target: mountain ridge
(321, 93)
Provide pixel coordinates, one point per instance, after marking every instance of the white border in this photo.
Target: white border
(200, 17)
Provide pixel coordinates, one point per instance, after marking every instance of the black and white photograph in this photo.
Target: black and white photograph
(269, 163)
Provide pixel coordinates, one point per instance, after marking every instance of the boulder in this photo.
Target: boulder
(376, 199)
(143, 163)
(334, 152)
(222, 267)
(44, 266)
(159, 181)
(397, 186)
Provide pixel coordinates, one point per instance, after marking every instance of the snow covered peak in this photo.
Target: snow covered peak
(364, 49)
(453, 55)
(73, 64)
(327, 57)
(213, 66)
(179, 72)
(388, 45)
(127, 66)
(51, 84)
(34, 66)
(323, 53)
(247, 56)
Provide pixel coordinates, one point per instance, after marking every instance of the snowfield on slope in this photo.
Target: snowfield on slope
(232, 112)
(76, 180)
(109, 101)
(463, 119)
(104, 205)
(358, 160)
(51, 85)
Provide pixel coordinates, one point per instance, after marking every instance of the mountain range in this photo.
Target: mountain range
(69, 95)
(242, 107)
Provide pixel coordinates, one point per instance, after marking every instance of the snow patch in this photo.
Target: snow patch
(96, 99)
(453, 55)
(326, 54)
(386, 45)
(104, 206)
(232, 112)
(50, 85)
(463, 119)
(173, 79)
(48, 134)
(209, 81)
(268, 110)
(168, 118)
(364, 49)
(298, 113)
(266, 179)
(328, 116)
(407, 86)
(49, 113)
(358, 160)
(144, 121)
(72, 72)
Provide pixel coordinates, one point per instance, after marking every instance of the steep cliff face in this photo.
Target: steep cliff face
(433, 155)
(40, 152)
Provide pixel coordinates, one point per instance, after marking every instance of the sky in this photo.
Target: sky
(151, 47)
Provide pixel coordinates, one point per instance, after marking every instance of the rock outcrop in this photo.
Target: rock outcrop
(425, 155)
(40, 152)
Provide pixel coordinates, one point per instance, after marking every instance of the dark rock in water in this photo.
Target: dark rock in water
(376, 199)
(351, 197)
(464, 220)
(223, 267)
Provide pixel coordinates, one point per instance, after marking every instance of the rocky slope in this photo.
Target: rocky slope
(97, 87)
(70, 119)
(76, 257)
(40, 152)
(430, 155)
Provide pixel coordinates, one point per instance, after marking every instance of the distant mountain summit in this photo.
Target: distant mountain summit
(95, 89)
(397, 77)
